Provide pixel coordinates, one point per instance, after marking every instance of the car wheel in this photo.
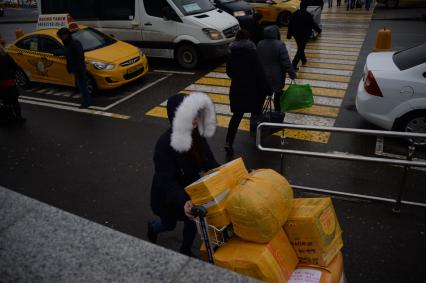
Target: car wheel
(392, 3)
(21, 78)
(283, 18)
(415, 123)
(187, 56)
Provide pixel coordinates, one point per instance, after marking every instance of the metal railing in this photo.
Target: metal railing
(407, 164)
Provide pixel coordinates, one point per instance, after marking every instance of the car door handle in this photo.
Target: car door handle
(147, 24)
(424, 75)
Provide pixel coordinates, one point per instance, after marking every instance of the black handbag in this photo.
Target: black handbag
(268, 116)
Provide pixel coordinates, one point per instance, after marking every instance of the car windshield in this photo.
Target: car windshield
(92, 39)
(411, 57)
(191, 7)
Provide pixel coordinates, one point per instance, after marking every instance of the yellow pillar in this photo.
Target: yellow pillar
(383, 40)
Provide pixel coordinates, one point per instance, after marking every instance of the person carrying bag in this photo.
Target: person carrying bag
(297, 97)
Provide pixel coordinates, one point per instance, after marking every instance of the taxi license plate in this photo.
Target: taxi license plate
(134, 69)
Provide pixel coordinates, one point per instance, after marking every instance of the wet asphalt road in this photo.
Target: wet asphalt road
(100, 168)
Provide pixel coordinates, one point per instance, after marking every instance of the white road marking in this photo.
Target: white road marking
(349, 39)
(57, 102)
(352, 45)
(326, 71)
(327, 101)
(42, 90)
(51, 91)
(332, 52)
(174, 72)
(307, 120)
(136, 92)
(78, 95)
(343, 26)
(217, 75)
(325, 84)
(69, 108)
(208, 89)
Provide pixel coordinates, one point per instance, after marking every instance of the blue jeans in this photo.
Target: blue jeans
(169, 224)
(81, 77)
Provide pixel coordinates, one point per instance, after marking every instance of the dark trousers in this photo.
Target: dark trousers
(300, 54)
(12, 108)
(81, 77)
(233, 125)
(367, 4)
(189, 231)
(277, 100)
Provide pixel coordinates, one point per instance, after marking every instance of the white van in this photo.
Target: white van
(188, 30)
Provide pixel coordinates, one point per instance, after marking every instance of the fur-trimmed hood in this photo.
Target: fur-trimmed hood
(196, 103)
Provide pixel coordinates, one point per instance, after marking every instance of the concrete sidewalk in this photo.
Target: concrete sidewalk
(39, 243)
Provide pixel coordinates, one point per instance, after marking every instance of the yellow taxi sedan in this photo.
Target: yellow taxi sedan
(110, 63)
(277, 11)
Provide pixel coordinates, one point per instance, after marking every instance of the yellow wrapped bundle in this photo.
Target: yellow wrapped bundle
(314, 230)
(212, 191)
(259, 205)
(271, 262)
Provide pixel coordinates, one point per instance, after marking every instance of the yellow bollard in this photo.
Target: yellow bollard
(19, 33)
(383, 40)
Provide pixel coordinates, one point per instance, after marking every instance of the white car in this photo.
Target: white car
(392, 92)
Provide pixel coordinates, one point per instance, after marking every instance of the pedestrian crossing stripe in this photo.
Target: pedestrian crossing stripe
(331, 61)
(223, 122)
(331, 48)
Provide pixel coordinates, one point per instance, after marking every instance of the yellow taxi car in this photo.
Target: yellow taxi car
(110, 63)
(277, 11)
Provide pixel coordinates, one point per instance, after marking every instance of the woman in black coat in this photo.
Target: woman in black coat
(180, 155)
(249, 86)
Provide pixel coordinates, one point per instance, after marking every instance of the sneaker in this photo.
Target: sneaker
(152, 236)
(228, 148)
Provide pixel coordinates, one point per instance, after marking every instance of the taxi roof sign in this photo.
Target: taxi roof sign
(56, 21)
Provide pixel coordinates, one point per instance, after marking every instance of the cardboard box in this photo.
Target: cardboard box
(213, 189)
(271, 262)
(314, 231)
(333, 273)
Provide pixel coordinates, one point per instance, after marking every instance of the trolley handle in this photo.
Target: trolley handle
(198, 211)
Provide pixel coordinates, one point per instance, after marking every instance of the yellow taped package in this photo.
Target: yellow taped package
(271, 262)
(259, 205)
(212, 191)
(333, 273)
(314, 231)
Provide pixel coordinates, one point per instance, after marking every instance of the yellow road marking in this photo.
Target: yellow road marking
(321, 77)
(332, 56)
(220, 70)
(216, 98)
(330, 66)
(318, 110)
(214, 81)
(223, 122)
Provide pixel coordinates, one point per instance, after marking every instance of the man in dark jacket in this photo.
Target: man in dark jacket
(11, 110)
(253, 26)
(249, 86)
(76, 64)
(274, 57)
(180, 154)
(300, 27)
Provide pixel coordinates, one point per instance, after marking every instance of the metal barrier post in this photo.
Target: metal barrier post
(410, 154)
(282, 141)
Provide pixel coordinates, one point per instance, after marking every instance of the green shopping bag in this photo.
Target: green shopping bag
(296, 97)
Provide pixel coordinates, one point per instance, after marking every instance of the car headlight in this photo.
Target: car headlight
(101, 65)
(212, 33)
(239, 13)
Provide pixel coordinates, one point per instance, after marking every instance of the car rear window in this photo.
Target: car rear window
(410, 57)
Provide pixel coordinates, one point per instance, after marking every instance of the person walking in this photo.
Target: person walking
(249, 86)
(339, 2)
(367, 5)
(76, 65)
(274, 57)
(330, 3)
(9, 92)
(300, 27)
(180, 155)
(253, 26)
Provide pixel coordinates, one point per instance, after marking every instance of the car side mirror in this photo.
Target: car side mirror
(170, 15)
(59, 52)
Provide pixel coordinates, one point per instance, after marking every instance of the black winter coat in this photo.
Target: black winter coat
(249, 86)
(173, 172)
(7, 73)
(301, 25)
(74, 54)
(274, 57)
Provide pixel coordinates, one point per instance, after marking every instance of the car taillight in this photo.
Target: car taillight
(371, 86)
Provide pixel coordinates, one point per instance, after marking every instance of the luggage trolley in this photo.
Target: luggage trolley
(212, 237)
